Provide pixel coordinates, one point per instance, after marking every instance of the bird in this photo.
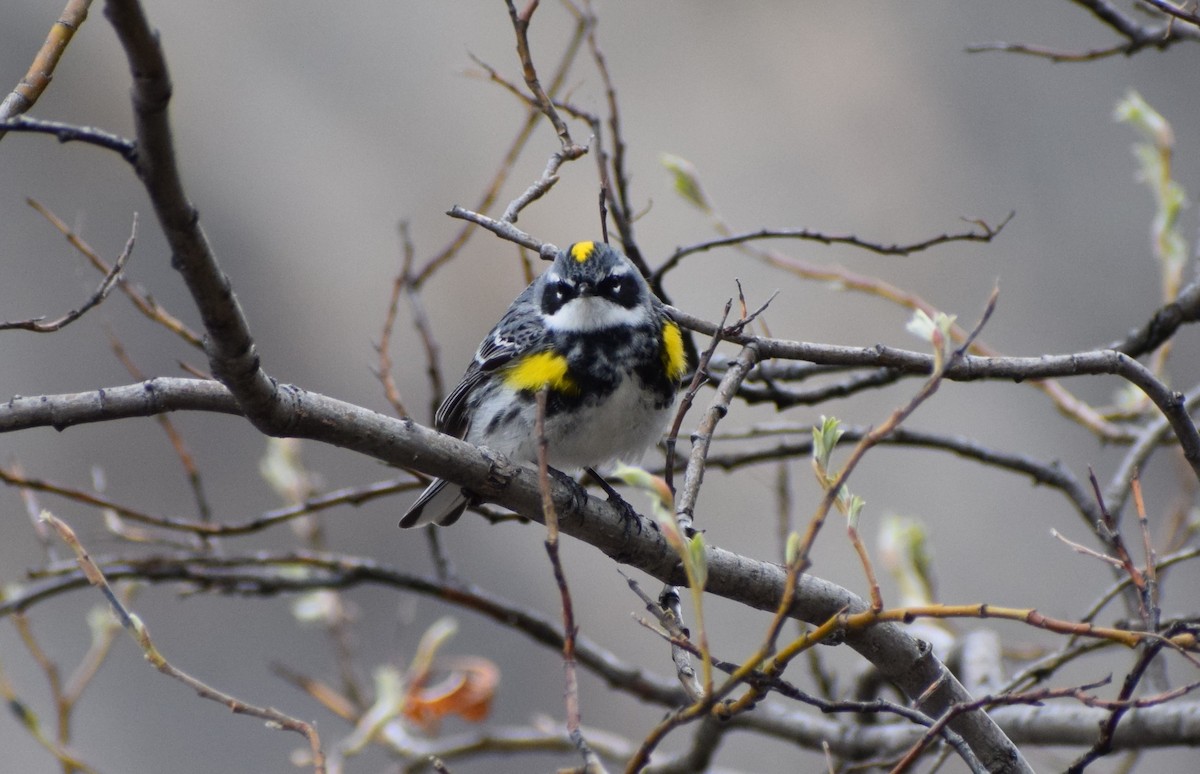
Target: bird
(591, 333)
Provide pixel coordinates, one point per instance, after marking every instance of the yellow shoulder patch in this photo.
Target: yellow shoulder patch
(674, 358)
(581, 251)
(541, 369)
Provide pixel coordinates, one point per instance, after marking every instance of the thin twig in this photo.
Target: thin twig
(1171, 404)
(1103, 745)
(782, 398)
(140, 299)
(138, 631)
(492, 191)
(569, 150)
(1109, 533)
(616, 184)
(520, 23)
(873, 437)
(840, 277)
(125, 148)
(348, 496)
(702, 437)
(1148, 440)
(97, 653)
(384, 370)
(1056, 55)
(571, 691)
(1137, 36)
(1172, 10)
(33, 511)
(95, 299)
(689, 395)
(21, 711)
(982, 232)
(1149, 558)
(505, 230)
(186, 460)
(41, 71)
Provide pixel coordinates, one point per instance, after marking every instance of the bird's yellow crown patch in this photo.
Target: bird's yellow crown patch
(581, 251)
(674, 359)
(540, 370)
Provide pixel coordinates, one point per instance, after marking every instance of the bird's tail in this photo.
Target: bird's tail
(441, 503)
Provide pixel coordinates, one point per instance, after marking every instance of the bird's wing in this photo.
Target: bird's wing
(496, 350)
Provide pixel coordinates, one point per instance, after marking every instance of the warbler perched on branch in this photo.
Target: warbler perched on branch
(588, 331)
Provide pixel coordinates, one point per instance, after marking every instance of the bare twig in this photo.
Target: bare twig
(520, 22)
(1173, 405)
(1175, 11)
(535, 191)
(384, 369)
(1137, 36)
(834, 487)
(689, 395)
(571, 691)
(1103, 745)
(186, 460)
(1148, 440)
(1109, 533)
(1056, 55)
(132, 624)
(492, 190)
(782, 398)
(702, 437)
(982, 232)
(33, 511)
(65, 696)
(616, 184)
(67, 758)
(144, 304)
(1149, 558)
(505, 230)
(1052, 474)
(968, 367)
(125, 148)
(1079, 548)
(1034, 697)
(347, 496)
(95, 299)
(669, 611)
(41, 71)
(569, 150)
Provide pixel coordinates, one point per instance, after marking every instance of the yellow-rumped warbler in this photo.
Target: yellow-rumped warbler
(591, 333)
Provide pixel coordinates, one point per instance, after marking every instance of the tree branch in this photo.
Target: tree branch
(126, 149)
(229, 344)
(900, 659)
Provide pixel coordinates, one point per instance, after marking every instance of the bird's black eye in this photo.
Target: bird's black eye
(620, 290)
(555, 295)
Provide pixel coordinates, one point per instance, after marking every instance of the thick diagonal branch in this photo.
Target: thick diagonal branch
(229, 344)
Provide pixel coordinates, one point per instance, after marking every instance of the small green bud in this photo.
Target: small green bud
(699, 560)
(686, 179)
(791, 551)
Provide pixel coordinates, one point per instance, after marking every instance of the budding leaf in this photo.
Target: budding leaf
(698, 560)
(686, 180)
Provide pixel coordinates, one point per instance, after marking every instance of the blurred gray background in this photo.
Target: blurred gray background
(307, 130)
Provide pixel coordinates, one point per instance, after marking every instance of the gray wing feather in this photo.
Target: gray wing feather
(517, 332)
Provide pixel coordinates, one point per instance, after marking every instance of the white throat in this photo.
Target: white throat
(591, 313)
